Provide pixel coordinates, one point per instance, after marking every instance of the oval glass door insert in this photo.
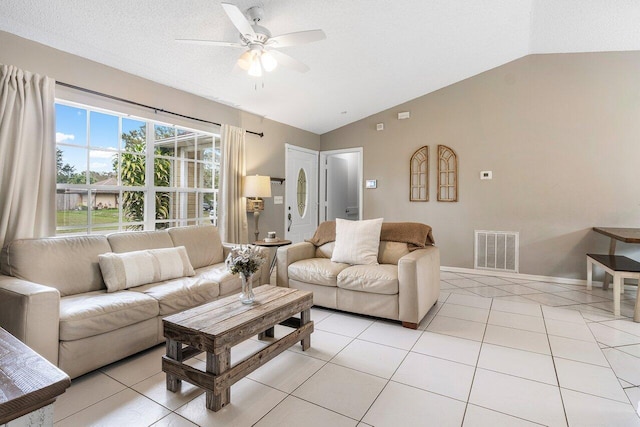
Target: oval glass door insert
(302, 192)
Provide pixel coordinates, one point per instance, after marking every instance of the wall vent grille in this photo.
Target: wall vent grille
(497, 250)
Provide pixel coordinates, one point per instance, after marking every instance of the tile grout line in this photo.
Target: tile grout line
(475, 369)
(555, 368)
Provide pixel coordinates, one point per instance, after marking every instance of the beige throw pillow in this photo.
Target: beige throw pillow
(130, 269)
(357, 241)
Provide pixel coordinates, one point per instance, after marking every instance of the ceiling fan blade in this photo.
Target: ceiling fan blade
(298, 38)
(289, 62)
(239, 20)
(211, 43)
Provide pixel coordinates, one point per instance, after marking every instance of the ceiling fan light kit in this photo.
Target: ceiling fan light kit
(256, 38)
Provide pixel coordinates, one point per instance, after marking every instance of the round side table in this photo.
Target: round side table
(276, 244)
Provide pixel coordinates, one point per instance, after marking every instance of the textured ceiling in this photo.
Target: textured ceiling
(378, 53)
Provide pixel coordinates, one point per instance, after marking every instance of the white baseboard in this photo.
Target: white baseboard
(532, 277)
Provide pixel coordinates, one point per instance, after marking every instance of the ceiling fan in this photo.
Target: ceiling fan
(261, 53)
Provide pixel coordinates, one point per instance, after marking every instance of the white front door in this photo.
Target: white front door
(301, 193)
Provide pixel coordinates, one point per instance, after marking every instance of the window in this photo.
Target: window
(116, 172)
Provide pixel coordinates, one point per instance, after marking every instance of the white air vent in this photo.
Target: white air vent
(497, 250)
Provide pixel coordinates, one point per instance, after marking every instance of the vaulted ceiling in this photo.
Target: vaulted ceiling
(377, 54)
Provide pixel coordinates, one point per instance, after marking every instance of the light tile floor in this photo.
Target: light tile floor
(492, 351)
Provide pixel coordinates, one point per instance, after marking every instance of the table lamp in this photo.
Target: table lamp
(254, 188)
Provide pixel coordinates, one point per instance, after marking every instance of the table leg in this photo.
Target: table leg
(218, 364)
(270, 333)
(617, 282)
(590, 274)
(612, 251)
(273, 262)
(174, 351)
(305, 317)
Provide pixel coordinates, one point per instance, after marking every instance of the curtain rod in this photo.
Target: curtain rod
(93, 92)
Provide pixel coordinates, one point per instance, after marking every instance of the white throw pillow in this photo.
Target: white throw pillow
(357, 241)
(130, 269)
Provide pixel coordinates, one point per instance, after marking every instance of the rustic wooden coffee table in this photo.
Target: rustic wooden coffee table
(219, 325)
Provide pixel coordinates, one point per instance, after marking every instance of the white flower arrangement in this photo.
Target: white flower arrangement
(245, 259)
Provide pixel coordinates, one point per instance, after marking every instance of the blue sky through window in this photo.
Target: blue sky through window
(104, 138)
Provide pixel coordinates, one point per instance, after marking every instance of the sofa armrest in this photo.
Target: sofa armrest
(263, 273)
(287, 255)
(31, 312)
(419, 283)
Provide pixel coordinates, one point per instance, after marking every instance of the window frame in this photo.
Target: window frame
(182, 189)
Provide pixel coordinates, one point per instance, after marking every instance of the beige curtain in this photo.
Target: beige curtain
(27, 155)
(232, 219)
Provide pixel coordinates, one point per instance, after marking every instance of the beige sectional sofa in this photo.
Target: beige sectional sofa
(403, 286)
(53, 296)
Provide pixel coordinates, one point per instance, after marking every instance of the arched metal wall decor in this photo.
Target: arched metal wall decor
(447, 174)
(419, 179)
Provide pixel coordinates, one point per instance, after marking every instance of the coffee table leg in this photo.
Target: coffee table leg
(305, 317)
(218, 364)
(174, 351)
(268, 333)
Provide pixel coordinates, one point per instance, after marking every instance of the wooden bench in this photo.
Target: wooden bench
(620, 267)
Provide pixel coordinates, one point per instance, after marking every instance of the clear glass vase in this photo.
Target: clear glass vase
(246, 296)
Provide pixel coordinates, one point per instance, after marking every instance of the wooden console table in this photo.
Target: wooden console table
(28, 382)
(626, 235)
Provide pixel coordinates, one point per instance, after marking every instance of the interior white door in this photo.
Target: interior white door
(336, 184)
(301, 193)
(337, 175)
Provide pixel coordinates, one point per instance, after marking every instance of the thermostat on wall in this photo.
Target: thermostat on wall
(371, 183)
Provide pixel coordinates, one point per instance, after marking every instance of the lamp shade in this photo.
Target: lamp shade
(256, 186)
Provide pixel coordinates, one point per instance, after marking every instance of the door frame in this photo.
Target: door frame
(322, 169)
(287, 147)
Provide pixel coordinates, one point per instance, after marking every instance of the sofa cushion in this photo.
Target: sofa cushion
(130, 269)
(319, 271)
(391, 252)
(376, 279)
(228, 282)
(129, 241)
(180, 294)
(203, 244)
(357, 242)
(69, 264)
(94, 313)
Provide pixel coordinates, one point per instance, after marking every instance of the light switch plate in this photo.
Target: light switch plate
(278, 200)
(486, 175)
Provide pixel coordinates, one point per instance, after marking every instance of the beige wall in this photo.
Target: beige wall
(265, 156)
(561, 134)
